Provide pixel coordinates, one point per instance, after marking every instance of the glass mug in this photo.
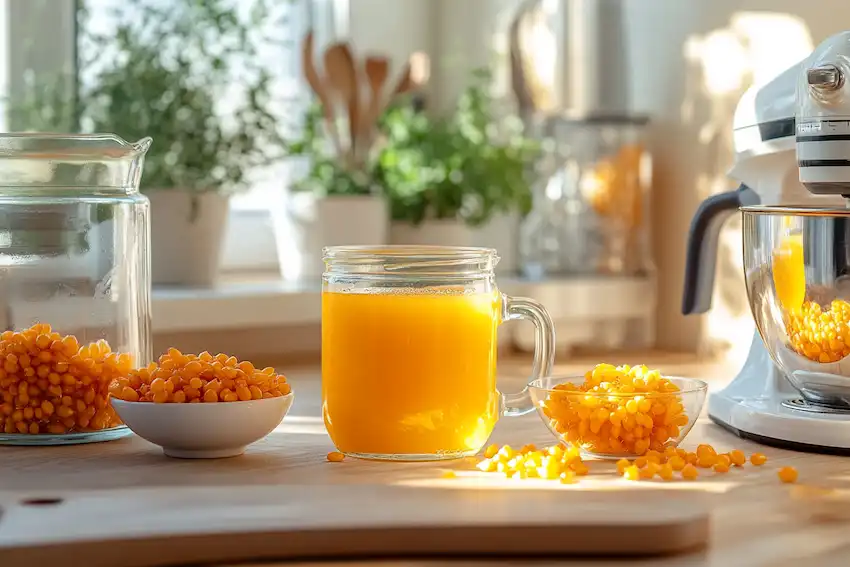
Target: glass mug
(409, 350)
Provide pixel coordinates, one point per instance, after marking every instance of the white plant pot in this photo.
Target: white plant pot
(185, 251)
(500, 233)
(304, 225)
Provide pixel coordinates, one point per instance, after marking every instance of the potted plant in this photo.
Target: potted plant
(163, 71)
(333, 203)
(460, 180)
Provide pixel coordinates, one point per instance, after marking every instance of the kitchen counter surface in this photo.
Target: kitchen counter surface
(755, 521)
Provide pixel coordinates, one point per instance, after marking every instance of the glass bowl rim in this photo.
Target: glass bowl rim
(795, 210)
(407, 251)
(686, 386)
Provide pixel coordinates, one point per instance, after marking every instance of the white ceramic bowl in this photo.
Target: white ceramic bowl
(204, 431)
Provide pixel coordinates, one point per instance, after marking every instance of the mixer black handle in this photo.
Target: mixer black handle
(703, 239)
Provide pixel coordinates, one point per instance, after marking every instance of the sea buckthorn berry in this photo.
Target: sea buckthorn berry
(705, 451)
(552, 463)
(621, 466)
(666, 471)
(49, 384)
(689, 472)
(706, 461)
(187, 378)
(335, 456)
(618, 410)
(737, 457)
(787, 474)
(819, 333)
(632, 473)
(649, 471)
(758, 459)
(567, 477)
(677, 462)
(721, 467)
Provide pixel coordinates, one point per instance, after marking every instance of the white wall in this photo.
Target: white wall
(395, 28)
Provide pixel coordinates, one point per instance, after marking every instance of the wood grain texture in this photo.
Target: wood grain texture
(755, 519)
(178, 526)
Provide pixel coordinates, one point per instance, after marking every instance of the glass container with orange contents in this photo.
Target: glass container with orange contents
(74, 284)
(409, 350)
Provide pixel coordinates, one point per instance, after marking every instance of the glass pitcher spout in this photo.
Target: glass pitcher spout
(67, 162)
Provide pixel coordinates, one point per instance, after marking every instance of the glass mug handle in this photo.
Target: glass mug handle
(513, 308)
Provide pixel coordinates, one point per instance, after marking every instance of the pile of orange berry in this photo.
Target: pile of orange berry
(565, 463)
(49, 383)
(203, 378)
(820, 335)
(553, 463)
(672, 460)
(617, 410)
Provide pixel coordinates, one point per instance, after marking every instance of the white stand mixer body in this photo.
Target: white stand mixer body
(752, 406)
(760, 403)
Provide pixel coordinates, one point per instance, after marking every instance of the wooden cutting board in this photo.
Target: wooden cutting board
(178, 526)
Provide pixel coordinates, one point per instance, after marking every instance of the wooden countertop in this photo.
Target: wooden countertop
(754, 519)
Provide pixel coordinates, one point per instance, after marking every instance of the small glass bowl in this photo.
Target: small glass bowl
(576, 418)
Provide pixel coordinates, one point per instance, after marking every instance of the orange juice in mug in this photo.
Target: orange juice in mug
(409, 350)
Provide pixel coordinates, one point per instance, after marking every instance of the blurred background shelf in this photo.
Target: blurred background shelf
(284, 317)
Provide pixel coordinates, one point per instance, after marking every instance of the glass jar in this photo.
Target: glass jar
(409, 350)
(74, 283)
(590, 213)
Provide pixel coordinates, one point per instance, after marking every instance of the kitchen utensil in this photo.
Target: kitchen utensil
(377, 69)
(205, 430)
(74, 254)
(569, 55)
(342, 79)
(691, 396)
(409, 350)
(406, 82)
(780, 397)
(315, 82)
(190, 525)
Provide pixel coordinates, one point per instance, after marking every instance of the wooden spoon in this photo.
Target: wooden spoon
(315, 82)
(342, 78)
(377, 70)
(405, 83)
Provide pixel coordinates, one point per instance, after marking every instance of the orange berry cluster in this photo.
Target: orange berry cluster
(49, 383)
(552, 463)
(672, 460)
(188, 378)
(565, 463)
(617, 410)
(821, 336)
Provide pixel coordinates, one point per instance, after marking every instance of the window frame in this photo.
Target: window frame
(249, 241)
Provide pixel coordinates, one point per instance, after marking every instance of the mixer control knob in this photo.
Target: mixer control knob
(826, 77)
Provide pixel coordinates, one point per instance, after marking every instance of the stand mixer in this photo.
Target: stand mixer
(807, 109)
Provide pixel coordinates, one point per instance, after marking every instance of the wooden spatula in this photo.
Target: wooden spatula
(377, 70)
(342, 78)
(315, 82)
(405, 83)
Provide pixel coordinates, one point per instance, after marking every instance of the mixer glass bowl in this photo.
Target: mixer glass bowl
(797, 268)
